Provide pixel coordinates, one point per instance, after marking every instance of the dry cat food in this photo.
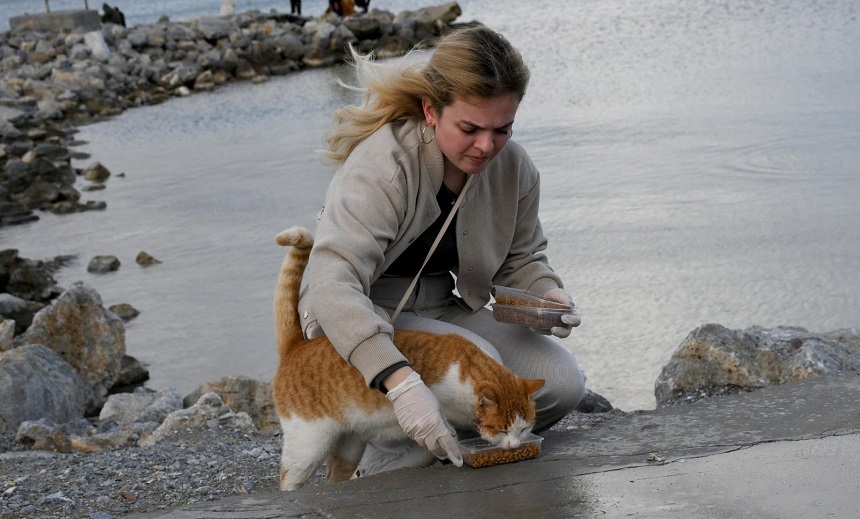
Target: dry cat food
(478, 452)
(543, 318)
(521, 307)
(517, 297)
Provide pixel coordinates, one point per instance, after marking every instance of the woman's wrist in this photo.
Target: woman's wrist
(396, 378)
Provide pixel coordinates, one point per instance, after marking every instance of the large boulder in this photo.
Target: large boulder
(37, 383)
(86, 335)
(714, 359)
(141, 406)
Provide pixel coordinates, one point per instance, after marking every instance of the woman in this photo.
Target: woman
(405, 155)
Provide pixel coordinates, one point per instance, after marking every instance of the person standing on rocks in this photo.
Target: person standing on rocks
(430, 131)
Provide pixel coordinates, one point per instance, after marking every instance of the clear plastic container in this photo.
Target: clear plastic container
(477, 452)
(524, 308)
(517, 297)
(540, 318)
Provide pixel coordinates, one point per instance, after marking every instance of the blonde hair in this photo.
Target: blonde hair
(474, 62)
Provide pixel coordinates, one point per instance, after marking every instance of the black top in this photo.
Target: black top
(444, 258)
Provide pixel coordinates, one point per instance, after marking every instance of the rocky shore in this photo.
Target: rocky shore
(80, 434)
(70, 447)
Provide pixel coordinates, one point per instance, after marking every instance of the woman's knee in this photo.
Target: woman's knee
(564, 387)
(567, 386)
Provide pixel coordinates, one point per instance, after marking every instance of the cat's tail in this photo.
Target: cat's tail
(288, 328)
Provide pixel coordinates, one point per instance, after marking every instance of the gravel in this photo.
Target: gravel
(190, 466)
(187, 467)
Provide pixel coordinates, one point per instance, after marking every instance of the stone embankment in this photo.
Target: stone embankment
(51, 82)
(715, 360)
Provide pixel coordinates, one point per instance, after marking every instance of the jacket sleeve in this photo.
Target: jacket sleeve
(362, 212)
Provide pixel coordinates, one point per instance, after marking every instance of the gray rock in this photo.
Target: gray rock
(103, 264)
(7, 332)
(138, 37)
(37, 383)
(19, 311)
(181, 32)
(128, 408)
(48, 109)
(124, 311)
(43, 434)
(364, 27)
(183, 75)
(213, 28)
(12, 115)
(95, 42)
(715, 359)
(88, 336)
(28, 279)
(132, 376)
(144, 259)
(593, 403)
(96, 173)
(209, 411)
(51, 151)
(291, 45)
(243, 394)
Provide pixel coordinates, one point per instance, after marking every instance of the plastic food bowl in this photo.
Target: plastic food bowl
(477, 452)
(517, 297)
(524, 308)
(541, 318)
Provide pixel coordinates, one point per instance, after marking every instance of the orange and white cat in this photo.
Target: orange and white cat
(328, 413)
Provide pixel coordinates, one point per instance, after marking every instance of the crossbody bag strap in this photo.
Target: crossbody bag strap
(438, 239)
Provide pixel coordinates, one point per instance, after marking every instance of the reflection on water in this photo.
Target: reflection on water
(699, 164)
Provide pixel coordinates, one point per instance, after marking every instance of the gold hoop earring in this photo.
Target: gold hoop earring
(424, 130)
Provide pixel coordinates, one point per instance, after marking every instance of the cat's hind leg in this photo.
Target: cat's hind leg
(343, 460)
(306, 445)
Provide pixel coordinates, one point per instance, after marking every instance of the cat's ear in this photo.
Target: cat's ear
(533, 384)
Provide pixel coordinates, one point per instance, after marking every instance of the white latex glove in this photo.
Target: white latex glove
(569, 321)
(419, 414)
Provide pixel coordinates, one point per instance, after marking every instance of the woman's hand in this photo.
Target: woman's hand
(419, 414)
(571, 320)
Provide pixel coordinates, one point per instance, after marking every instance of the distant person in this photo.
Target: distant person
(112, 15)
(364, 4)
(296, 7)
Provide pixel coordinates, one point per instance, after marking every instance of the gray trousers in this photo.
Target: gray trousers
(433, 307)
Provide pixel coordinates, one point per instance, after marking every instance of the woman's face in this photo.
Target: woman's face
(471, 131)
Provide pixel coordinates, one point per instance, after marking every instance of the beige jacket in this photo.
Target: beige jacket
(380, 200)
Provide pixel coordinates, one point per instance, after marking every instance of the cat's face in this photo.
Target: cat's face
(505, 415)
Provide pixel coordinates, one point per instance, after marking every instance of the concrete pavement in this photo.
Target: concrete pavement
(780, 452)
